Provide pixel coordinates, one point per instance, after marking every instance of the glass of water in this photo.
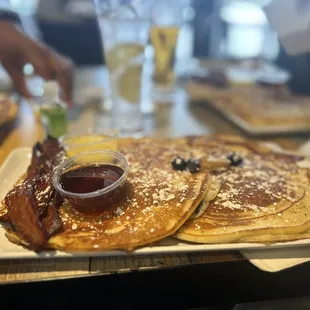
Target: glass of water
(124, 37)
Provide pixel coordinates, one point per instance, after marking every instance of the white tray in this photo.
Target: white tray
(15, 166)
(260, 130)
(198, 92)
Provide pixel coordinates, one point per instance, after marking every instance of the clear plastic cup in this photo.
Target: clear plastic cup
(82, 171)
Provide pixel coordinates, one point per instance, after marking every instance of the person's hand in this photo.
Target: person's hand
(16, 50)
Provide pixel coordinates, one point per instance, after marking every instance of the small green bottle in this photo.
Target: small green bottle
(53, 111)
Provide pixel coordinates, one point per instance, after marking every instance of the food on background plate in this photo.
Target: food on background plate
(214, 189)
(8, 109)
(256, 108)
(214, 78)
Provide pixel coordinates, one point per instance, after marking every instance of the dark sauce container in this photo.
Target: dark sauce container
(93, 181)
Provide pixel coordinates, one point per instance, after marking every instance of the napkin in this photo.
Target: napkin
(273, 260)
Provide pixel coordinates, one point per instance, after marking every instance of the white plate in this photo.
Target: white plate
(198, 93)
(263, 129)
(15, 166)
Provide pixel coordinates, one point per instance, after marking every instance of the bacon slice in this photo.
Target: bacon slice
(50, 219)
(24, 217)
(32, 207)
(37, 162)
(4, 217)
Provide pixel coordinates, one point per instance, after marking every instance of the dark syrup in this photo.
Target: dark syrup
(90, 179)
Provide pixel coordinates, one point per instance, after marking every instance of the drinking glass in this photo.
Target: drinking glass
(124, 37)
(167, 17)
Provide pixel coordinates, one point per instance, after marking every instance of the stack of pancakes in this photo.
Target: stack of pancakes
(264, 198)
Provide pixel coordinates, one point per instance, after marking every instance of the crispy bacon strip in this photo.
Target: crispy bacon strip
(44, 158)
(50, 219)
(24, 217)
(32, 207)
(4, 218)
(37, 161)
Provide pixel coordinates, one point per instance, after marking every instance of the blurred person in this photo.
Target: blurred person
(294, 38)
(17, 49)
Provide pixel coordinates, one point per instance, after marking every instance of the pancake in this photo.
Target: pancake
(213, 191)
(157, 201)
(270, 238)
(266, 199)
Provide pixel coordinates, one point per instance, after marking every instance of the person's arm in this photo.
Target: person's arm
(17, 49)
(8, 15)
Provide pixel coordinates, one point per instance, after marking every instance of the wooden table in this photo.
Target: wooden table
(171, 119)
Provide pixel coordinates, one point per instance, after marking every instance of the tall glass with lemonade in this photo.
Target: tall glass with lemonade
(124, 39)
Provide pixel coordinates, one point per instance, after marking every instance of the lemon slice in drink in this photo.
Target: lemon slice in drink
(121, 54)
(130, 83)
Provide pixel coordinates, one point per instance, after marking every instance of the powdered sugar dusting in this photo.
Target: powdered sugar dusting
(254, 186)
